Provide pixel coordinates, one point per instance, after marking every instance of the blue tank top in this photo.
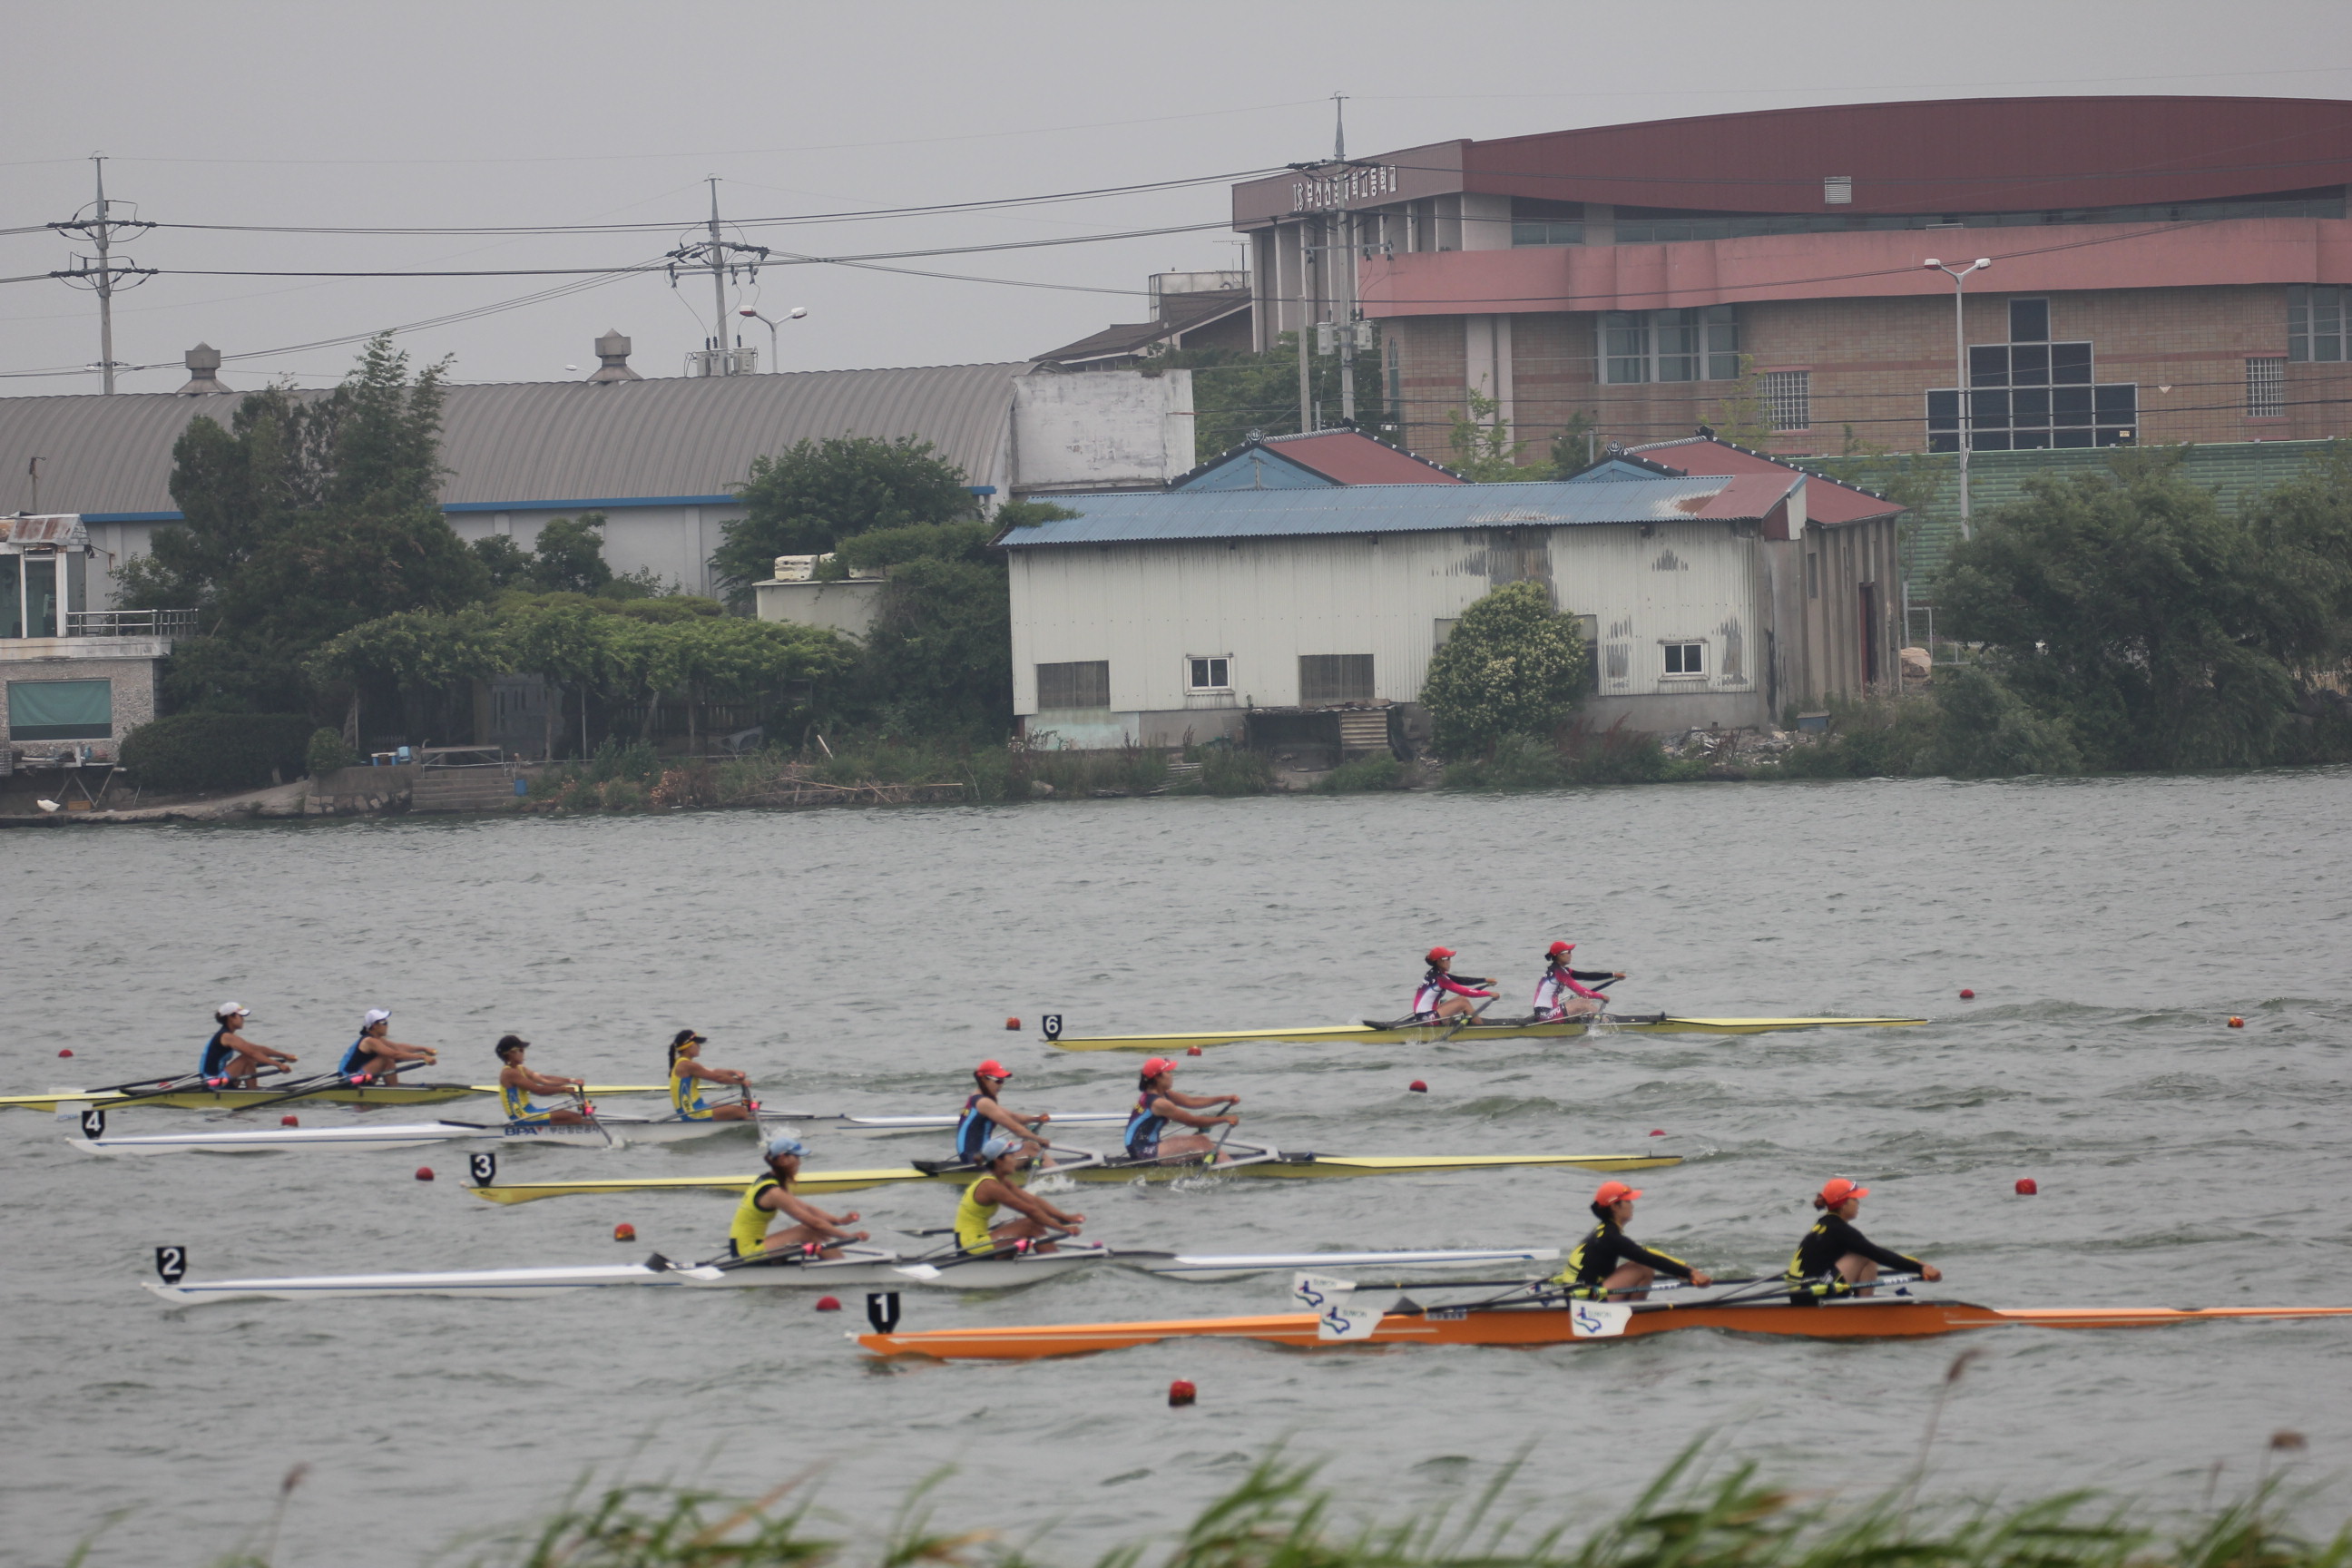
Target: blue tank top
(215, 1062)
(1144, 1125)
(973, 1130)
(356, 1060)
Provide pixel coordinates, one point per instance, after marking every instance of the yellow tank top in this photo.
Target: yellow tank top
(972, 1218)
(749, 1234)
(685, 1095)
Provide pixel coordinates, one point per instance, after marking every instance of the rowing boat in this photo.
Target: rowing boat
(1252, 1161)
(605, 1133)
(1373, 1032)
(857, 1267)
(1881, 1318)
(202, 1099)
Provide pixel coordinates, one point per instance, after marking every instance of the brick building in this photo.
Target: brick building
(2162, 270)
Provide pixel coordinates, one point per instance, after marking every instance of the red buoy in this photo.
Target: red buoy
(2026, 1187)
(1417, 1087)
(625, 1231)
(1012, 1023)
(1967, 994)
(290, 1121)
(1192, 1050)
(1657, 1133)
(424, 1172)
(67, 1052)
(828, 1303)
(2235, 1022)
(1182, 1392)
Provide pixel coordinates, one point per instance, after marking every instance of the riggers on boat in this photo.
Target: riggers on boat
(857, 1267)
(1404, 1031)
(1553, 1324)
(1248, 1161)
(602, 1133)
(200, 1098)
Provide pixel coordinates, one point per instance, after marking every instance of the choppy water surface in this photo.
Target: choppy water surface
(867, 960)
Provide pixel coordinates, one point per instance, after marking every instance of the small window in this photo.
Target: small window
(1813, 575)
(1209, 675)
(1789, 398)
(1334, 678)
(1685, 659)
(2029, 321)
(61, 709)
(1443, 632)
(1086, 684)
(2315, 323)
(2266, 388)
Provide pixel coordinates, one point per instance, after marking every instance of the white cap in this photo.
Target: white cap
(229, 1010)
(373, 1016)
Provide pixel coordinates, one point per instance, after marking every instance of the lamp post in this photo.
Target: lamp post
(776, 360)
(1959, 275)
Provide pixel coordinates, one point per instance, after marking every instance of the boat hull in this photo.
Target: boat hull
(1425, 1034)
(246, 1099)
(1527, 1327)
(616, 1132)
(1293, 1166)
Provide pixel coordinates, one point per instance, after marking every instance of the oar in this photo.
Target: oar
(922, 1270)
(303, 1089)
(588, 1114)
(1217, 1150)
(1468, 1018)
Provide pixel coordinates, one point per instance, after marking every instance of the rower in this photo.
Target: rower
(1559, 993)
(517, 1083)
(1444, 995)
(687, 1074)
(1834, 1258)
(1003, 1158)
(375, 1055)
(1159, 1104)
(772, 1195)
(985, 1118)
(1609, 1263)
(232, 1061)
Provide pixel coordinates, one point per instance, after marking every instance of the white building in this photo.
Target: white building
(1263, 614)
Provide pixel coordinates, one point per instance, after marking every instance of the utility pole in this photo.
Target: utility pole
(719, 255)
(99, 228)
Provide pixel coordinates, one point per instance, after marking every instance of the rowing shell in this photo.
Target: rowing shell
(1265, 1162)
(609, 1132)
(1373, 1033)
(202, 1099)
(858, 1266)
(1551, 1325)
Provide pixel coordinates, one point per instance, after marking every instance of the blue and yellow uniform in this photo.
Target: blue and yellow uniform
(516, 1101)
(686, 1094)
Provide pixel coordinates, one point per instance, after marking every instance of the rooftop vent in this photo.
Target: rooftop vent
(204, 363)
(613, 350)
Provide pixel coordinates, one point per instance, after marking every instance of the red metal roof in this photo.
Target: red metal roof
(1351, 458)
(1827, 502)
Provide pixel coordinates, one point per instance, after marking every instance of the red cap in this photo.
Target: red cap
(1157, 1065)
(1835, 1191)
(1437, 952)
(1615, 1193)
(991, 1068)
(1559, 947)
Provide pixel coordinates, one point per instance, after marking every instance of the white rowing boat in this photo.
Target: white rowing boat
(858, 1266)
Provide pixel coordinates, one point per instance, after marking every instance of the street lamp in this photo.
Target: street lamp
(1958, 275)
(775, 361)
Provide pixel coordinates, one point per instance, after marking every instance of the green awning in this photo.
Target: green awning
(61, 709)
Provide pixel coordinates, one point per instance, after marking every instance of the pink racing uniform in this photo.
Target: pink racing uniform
(1558, 980)
(1436, 985)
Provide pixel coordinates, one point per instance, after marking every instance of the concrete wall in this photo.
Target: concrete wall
(1100, 430)
(848, 607)
(131, 664)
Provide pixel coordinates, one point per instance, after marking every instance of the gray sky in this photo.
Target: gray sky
(518, 111)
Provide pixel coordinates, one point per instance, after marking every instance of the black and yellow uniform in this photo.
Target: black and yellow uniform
(1606, 1250)
(1832, 1237)
(748, 1236)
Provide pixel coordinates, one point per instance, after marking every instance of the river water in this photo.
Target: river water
(867, 960)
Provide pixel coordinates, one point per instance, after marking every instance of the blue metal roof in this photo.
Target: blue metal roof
(1140, 516)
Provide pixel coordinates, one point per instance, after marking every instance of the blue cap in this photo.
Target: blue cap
(784, 1143)
(998, 1146)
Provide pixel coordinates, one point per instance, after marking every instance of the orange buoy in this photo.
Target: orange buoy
(2027, 1187)
(1967, 994)
(424, 1172)
(1182, 1392)
(828, 1303)
(625, 1231)
(290, 1121)
(1012, 1023)
(1417, 1087)
(2237, 1022)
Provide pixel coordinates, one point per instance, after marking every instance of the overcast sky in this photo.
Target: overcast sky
(425, 114)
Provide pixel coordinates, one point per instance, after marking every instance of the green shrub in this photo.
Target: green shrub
(327, 753)
(1517, 762)
(1227, 770)
(1382, 771)
(1514, 666)
(188, 753)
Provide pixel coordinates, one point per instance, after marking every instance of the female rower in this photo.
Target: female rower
(1444, 995)
(375, 1055)
(1834, 1258)
(1609, 1263)
(1003, 1158)
(772, 1195)
(232, 1061)
(1159, 1104)
(686, 1074)
(1559, 994)
(985, 1118)
(517, 1083)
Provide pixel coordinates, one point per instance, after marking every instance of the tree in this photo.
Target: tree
(508, 564)
(1484, 450)
(808, 499)
(1235, 390)
(1514, 666)
(568, 557)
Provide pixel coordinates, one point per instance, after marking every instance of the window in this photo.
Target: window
(1538, 222)
(1209, 675)
(1788, 399)
(1444, 630)
(1700, 343)
(61, 709)
(1086, 684)
(2315, 325)
(1685, 659)
(2026, 395)
(1812, 574)
(2029, 321)
(2266, 388)
(1334, 678)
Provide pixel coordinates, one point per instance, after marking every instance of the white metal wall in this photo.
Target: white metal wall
(1263, 603)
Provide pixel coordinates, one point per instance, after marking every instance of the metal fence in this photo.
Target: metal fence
(131, 623)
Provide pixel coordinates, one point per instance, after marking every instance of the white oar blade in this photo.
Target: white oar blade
(916, 1271)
